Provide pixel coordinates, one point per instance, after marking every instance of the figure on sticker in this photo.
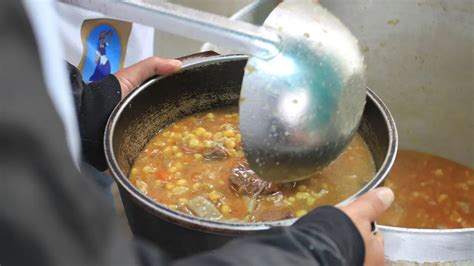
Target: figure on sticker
(102, 68)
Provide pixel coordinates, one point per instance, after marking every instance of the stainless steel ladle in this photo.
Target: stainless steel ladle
(303, 91)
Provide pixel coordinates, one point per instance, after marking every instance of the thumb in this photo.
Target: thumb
(134, 75)
(371, 204)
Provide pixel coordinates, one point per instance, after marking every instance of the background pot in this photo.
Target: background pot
(420, 61)
(204, 84)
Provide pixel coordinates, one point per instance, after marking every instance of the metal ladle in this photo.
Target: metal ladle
(300, 109)
(303, 91)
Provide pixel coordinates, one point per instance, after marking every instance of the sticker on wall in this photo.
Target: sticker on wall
(104, 43)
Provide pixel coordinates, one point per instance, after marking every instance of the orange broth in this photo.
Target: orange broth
(197, 166)
(430, 192)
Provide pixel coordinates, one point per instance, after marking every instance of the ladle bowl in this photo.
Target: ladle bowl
(299, 109)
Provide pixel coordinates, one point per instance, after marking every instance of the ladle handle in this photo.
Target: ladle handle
(199, 25)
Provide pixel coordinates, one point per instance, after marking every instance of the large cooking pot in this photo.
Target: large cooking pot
(200, 85)
(420, 60)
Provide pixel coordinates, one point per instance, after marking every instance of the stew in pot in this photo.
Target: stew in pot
(430, 192)
(197, 166)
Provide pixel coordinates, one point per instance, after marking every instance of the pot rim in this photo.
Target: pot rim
(396, 229)
(193, 222)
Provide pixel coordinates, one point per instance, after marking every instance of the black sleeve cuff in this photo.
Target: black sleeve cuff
(339, 228)
(98, 101)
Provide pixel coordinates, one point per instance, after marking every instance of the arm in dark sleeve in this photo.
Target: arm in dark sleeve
(326, 236)
(49, 213)
(94, 103)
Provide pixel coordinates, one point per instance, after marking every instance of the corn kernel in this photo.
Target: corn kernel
(292, 199)
(228, 133)
(182, 200)
(210, 115)
(238, 137)
(442, 197)
(178, 165)
(167, 151)
(172, 169)
(302, 195)
(169, 185)
(300, 213)
(230, 144)
(197, 156)
(196, 186)
(209, 144)
(231, 152)
(181, 182)
(174, 148)
(193, 143)
(301, 188)
(149, 169)
(160, 143)
(214, 195)
(217, 135)
(225, 209)
(199, 131)
(134, 171)
(207, 135)
(179, 190)
(142, 186)
(179, 155)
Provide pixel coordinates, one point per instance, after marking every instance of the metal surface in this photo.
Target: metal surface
(429, 245)
(420, 60)
(191, 23)
(204, 84)
(299, 109)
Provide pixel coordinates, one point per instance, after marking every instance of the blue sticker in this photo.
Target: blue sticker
(104, 52)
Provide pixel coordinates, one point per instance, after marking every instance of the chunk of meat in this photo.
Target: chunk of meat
(245, 181)
(272, 213)
(216, 153)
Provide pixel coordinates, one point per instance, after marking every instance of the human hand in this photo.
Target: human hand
(363, 211)
(131, 77)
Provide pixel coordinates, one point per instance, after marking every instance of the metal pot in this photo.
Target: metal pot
(419, 57)
(201, 85)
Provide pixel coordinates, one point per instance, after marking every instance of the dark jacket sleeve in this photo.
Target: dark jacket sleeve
(94, 103)
(50, 214)
(326, 236)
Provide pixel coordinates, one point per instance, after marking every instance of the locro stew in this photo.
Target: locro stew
(197, 166)
(430, 192)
